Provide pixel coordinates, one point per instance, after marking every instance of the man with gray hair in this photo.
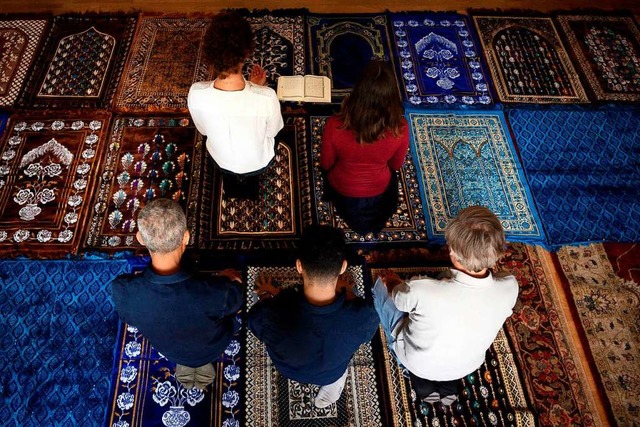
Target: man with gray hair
(188, 317)
(440, 330)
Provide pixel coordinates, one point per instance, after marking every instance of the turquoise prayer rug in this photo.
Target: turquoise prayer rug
(145, 392)
(608, 51)
(528, 61)
(407, 224)
(340, 47)
(438, 58)
(57, 333)
(465, 159)
(583, 170)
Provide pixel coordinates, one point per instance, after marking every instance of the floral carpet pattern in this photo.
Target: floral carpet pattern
(439, 60)
(166, 59)
(147, 158)
(527, 60)
(608, 306)
(405, 225)
(276, 218)
(468, 158)
(271, 399)
(608, 51)
(19, 40)
(48, 174)
(81, 62)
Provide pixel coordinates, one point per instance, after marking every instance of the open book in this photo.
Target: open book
(304, 88)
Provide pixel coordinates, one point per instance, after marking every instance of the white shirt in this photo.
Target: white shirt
(451, 322)
(240, 126)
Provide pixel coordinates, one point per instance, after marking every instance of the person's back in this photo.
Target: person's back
(188, 318)
(312, 333)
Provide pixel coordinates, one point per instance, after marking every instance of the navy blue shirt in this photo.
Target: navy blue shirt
(188, 318)
(308, 343)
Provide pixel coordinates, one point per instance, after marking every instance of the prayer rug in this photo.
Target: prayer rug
(280, 48)
(535, 372)
(273, 400)
(527, 60)
(468, 158)
(147, 158)
(58, 327)
(144, 390)
(19, 39)
(438, 57)
(166, 58)
(608, 51)
(341, 46)
(81, 62)
(492, 393)
(48, 173)
(608, 306)
(582, 167)
(283, 207)
(407, 224)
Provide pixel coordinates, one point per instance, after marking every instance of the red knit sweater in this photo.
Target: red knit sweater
(361, 170)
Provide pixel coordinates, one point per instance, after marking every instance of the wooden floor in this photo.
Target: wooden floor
(324, 6)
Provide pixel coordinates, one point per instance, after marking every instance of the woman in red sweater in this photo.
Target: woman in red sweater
(362, 148)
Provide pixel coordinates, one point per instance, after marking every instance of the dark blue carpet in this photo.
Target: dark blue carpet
(583, 169)
(57, 329)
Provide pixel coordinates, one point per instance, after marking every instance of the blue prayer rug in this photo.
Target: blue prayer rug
(465, 159)
(145, 391)
(58, 327)
(341, 46)
(438, 57)
(583, 170)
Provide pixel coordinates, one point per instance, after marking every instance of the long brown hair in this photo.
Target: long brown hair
(374, 106)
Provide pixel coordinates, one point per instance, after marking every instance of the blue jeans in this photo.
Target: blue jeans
(389, 315)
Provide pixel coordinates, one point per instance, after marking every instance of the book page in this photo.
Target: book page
(291, 86)
(314, 87)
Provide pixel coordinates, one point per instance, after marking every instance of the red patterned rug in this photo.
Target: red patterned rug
(48, 174)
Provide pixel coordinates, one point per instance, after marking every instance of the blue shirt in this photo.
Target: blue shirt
(308, 343)
(188, 318)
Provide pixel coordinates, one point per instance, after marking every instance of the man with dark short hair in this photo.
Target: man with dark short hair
(189, 318)
(311, 333)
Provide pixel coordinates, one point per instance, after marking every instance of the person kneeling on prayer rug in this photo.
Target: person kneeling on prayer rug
(240, 118)
(440, 329)
(190, 318)
(312, 333)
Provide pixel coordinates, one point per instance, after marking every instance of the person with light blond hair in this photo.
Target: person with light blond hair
(440, 329)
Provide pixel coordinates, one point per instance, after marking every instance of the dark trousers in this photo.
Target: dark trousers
(365, 214)
(425, 387)
(241, 186)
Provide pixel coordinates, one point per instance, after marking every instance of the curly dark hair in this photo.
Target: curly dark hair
(228, 42)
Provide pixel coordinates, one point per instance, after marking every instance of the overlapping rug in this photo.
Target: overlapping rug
(582, 167)
(166, 58)
(145, 392)
(146, 159)
(527, 60)
(57, 334)
(49, 169)
(493, 395)
(80, 63)
(19, 41)
(407, 224)
(283, 208)
(604, 283)
(340, 47)
(439, 59)
(607, 49)
(468, 158)
(273, 400)
(280, 47)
